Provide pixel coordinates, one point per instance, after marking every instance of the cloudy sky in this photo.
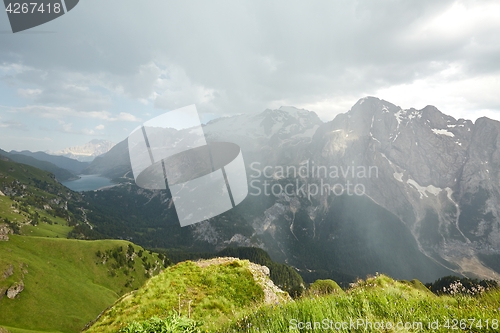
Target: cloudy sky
(107, 66)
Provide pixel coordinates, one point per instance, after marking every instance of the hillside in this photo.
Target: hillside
(211, 291)
(114, 164)
(60, 173)
(33, 203)
(69, 281)
(225, 299)
(378, 304)
(48, 276)
(284, 276)
(63, 162)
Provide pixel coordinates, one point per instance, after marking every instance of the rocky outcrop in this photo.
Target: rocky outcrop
(272, 294)
(8, 272)
(5, 231)
(15, 290)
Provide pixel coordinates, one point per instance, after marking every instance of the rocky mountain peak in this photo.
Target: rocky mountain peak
(287, 119)
(370, 106)
(86, 152)
(436, 118)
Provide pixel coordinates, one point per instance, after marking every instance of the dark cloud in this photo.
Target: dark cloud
(244, 56)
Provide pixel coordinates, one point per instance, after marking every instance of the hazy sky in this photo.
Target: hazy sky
(106, 66)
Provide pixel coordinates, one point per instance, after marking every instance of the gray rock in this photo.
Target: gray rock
(8, 272)
(4, 232)
(15, 290)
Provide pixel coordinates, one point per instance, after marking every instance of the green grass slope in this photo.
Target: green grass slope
(284, 276)
(212, 294)
(33, 203)
(20, 217)
(67, 283)
(60, 173)
(379, 304)
(63, 162)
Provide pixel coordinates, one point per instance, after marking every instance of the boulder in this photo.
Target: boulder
(15, 290)
(4, 232)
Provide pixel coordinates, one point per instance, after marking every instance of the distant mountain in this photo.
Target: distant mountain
(87, 152)
(259, 136)
(273, 128)
(60, 173)
(113, 164)
(63, 162)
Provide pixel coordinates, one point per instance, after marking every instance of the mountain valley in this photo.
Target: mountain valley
(434, 191)
(419, 200)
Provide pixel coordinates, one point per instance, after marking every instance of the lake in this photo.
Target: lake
(88, 183)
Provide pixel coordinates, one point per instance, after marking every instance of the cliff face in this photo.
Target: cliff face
(5, 231)
(438, 175)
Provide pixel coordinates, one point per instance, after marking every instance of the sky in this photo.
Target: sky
(105, 67)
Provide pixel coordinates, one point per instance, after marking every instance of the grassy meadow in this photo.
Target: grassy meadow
(66, 283)
(378, 304)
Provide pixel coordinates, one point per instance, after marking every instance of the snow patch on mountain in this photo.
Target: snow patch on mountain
(443, 132)
(86, 152)
(398, 176)
(399, 116)
(251, 131)
(431, 189)
(307, 133)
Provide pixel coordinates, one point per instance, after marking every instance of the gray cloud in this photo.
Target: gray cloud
(244, 56)
(12, 125)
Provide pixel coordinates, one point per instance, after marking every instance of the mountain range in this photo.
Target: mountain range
(430, 208)
(35, 160)
(70, 164)
(431, 193)
(86, 152)
(66, 164)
